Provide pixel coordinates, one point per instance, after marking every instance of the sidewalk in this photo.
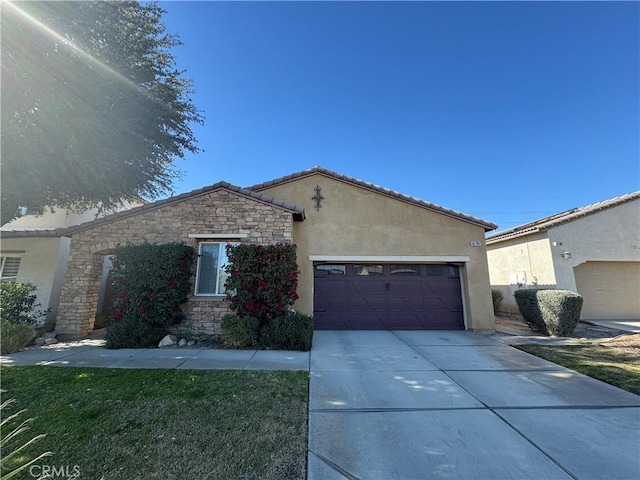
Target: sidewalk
(91, 353)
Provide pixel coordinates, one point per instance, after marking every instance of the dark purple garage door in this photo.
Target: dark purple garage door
(387, 296)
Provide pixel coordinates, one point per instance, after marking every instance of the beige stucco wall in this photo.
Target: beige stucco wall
(355, 221)
(609, 235)
(612, 234)
(522, 262)
(39, 265)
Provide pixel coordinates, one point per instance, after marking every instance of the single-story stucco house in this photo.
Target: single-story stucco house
(369, 257)
(34, 249)
(593, 250)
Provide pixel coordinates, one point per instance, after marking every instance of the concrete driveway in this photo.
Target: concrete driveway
(457, 405)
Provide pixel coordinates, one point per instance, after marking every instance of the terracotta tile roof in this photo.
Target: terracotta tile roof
(296, 211)
(31, 232)
(488, 226)
(560, 218)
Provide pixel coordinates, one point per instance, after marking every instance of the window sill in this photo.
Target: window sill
(207, 298)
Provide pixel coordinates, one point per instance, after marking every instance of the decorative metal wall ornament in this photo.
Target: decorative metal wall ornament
(318, 198)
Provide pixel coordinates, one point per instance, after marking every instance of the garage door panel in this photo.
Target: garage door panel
(410, 286)
(369, 286)
(388, 296)
(331, 286)
(333, 304)
(611, 290)
(367, 304)
(406, 321)
(330, 321)
(404, 304)
(364, 321)
(444, 321)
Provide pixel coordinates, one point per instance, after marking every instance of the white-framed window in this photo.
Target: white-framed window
(9, 268)
(210, 274)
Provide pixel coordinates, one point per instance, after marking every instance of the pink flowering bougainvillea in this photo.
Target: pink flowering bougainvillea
(151, 281)
(262, 280)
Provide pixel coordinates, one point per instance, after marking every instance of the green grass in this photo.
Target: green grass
(611, 365)
(166, 424)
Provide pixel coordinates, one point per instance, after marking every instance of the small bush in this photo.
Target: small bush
(240, 331)
(14, 337)
(18, 303)
(293, 331)
(552, 312)
(497, 297)
(133, 333)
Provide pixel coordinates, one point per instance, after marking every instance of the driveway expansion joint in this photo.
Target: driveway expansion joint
(334, 466)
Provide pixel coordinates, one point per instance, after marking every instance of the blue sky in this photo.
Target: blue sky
(508, 111)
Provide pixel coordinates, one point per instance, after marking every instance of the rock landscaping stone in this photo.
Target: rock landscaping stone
(39, 341)
(182, 343)
(168, 341)
(46, 335)
(50, 341)
(191, 343)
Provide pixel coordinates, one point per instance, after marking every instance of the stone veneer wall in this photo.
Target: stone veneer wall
(219, 212)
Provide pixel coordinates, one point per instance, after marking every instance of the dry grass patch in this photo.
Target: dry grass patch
(167, 424)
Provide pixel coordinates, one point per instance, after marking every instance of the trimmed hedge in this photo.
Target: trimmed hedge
(240, 331)
(293, 331)
(552, 312)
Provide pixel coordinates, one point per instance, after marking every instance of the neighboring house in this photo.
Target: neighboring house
(369, 258)
(593, 250)
(34, 249)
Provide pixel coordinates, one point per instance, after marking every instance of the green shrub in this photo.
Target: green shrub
(240, 331)
(14, 337)
(18, 303)
(293, 331)
(150, 281)
(552, 312)
(497, 298)
(133, 333)
(262, 281)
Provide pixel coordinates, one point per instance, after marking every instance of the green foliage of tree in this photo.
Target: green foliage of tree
(94, 110)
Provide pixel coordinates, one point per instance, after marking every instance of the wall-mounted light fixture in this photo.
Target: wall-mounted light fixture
(566, 255)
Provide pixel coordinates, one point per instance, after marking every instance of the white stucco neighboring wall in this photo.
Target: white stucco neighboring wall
(39, 265)
(44, 259)
(60, 218)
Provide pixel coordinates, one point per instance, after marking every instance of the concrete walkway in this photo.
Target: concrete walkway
(91, 353)
(457, 405)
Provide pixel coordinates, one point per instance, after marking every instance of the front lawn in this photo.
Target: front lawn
(165, 424)
(619, 367)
